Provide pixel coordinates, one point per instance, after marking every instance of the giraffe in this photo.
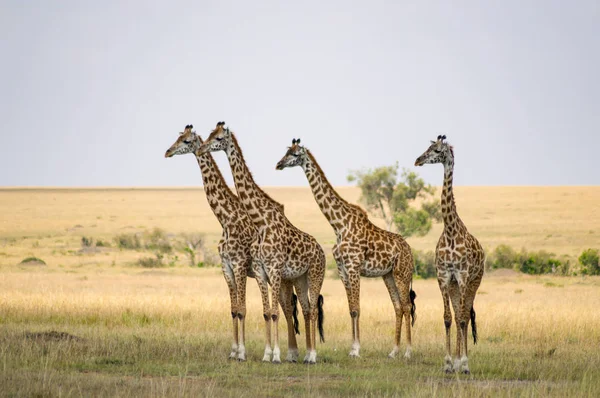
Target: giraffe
(361, 249)
(234, 247)
(459, 259)
(284, 253)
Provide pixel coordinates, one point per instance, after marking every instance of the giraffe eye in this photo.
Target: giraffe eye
(187, 141)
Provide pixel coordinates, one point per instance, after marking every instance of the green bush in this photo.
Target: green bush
(101, 243)
(425, 264)
(564, 269)
(503, 256)
(538, 263)
(151, 262)
(157, 240)
(86, 242)
(32, 260)
(533, 263)
(128, 241)
(590, 262)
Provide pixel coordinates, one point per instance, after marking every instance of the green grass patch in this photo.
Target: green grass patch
(32, 261)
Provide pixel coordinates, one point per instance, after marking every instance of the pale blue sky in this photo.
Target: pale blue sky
(93, 93)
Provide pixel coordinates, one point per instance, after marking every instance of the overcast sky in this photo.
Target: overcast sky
(94, 92)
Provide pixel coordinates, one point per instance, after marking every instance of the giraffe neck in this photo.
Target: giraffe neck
(449, 214)
(220, 197)
(332, 205)
(256, 201)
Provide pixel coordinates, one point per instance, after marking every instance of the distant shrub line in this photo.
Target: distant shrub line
(193, 247)
(527, 262)
(164, 247)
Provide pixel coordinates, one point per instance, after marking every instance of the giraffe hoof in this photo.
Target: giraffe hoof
(292, 356)
(241, 359)
(276, 361)
(448, 370)
(466, 372)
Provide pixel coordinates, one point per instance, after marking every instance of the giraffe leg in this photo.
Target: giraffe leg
(455, 301)
(388, 279)
(230, 279)
(240, 274)
(275, 279)
(467, 314)
(263, 286)
(448, 366)
(464, 322)
(316, 275)
(287, 304)
(403, 279)
(301, 285)
(406, 303)
(354, 280)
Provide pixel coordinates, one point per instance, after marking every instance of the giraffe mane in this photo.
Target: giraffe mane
(326, 181)
(451, 149)
(216, 168)
(270, 199)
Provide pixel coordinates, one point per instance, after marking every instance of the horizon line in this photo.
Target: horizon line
(187, 187)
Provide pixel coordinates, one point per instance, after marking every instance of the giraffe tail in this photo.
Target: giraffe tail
(295, 313)
(473, 325)
(413, 307)
(320, 318)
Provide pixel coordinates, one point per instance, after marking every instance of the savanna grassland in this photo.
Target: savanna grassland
(92, 321)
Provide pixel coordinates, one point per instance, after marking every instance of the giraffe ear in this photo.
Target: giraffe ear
(298, 141)
(293, 141)
(443, 137)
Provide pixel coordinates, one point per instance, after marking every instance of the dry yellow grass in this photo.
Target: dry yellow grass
(562, 220)
(167, 332)
(537, 335)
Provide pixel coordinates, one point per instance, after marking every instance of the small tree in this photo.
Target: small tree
(193, 244)
(590, 262)
(384, 196)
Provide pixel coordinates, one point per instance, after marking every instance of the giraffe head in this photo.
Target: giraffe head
(295, 156)
(218, 140)
(438, 152)
(187, 142)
